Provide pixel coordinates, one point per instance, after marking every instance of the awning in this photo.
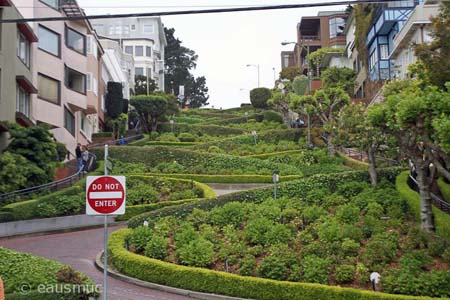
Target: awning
(23, 120)
(91, 109)
(27, 32)
(26, 84)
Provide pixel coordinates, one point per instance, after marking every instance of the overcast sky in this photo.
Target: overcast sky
(225, 43)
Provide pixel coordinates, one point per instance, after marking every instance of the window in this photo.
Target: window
(103, 103)
(126, 29)
(148, 28)
(23, 49)
(69, 121)
(139, 50)
(337, 26)
(133, 27)
(75, 81)
(52, 3)
(139, 71)
(129, 50)
(48, 89)
(23, 101)
(89, 78)
(49, 41)
(372, 60)
(91, 45)
(83, 122)
(148, 51)
(384, 51)
(75, 41)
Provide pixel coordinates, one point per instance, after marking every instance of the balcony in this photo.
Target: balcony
(419, 17)
(71, 8)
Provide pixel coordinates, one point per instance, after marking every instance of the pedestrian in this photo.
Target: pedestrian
(79, 158)
(85, 156)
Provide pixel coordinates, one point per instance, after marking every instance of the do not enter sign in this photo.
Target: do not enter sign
(105, 195)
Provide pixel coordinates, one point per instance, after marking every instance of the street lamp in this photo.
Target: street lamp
(276, 179)
(256, 66)
(274, 75)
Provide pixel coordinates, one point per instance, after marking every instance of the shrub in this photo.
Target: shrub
(167, 137)
(259, 97)
(186, 137)
(157, 247)
(140, 238)
(247, 265)
(345, 273)
(256, 230)
(278, 234)
(214, 149)
(272, 116)
(380, 250)
(198, 252)
(315, 269)
(350, 189)
(273, 268)
(232, 213)
(348, 214)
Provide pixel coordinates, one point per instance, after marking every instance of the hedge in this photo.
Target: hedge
(236, 120)
(230, 179)
(267, 155)
(441, 219)
(153, 156)
(353, 163)
(297, 188)
(172, 144)
(444, 187)
(214, 130)
(102, 135)
(203, 280)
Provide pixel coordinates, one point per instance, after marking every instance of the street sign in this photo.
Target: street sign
(105, 195)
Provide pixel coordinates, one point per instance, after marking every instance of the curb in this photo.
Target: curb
(159, 287)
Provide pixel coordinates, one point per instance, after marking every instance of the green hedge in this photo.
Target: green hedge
(353, 163)
(203, 280)
(267, 155)
(445, 189)
(297, 188)
(213, 130)
(199, 162)
(228, 178)
(172, 144)
(236, 120)
(102, 134)
(442, 220)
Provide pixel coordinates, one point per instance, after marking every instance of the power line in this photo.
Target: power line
(195, 12)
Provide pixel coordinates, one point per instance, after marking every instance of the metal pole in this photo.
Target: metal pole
(105, 247)
(275, 191)
(258, 77)
(309, 131)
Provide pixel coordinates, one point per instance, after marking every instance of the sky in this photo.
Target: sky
(225, 43)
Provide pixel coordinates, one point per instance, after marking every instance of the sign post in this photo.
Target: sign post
(105, 196)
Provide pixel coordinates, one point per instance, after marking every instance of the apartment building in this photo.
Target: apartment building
(143, 38)
(287, 59)
(118, 66)
(66, 71)
(416, 30)
(315, 32)
(16, 78)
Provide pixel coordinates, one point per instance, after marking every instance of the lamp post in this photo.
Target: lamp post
(257, 67)
(274, 75)
(276, 179)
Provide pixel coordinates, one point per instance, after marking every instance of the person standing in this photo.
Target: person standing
(79, 158)
(85, 157)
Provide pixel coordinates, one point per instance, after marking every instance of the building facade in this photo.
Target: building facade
(143, 38)
(66, 70)
(287, 59)
(16, 77)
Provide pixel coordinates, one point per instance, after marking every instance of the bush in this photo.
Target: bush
(157, 247)
(273, 268)
(167, 137)
(140, 238)
(186, 137)
(259, 97)
(345, 273)
(198, 253)
(247, 265)
(380, 250)
(315, 269)
(272, 116)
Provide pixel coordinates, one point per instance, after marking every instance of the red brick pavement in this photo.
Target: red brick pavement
(79, 249)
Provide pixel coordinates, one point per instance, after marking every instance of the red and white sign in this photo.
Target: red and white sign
(105, 195)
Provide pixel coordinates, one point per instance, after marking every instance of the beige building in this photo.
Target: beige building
(66, 72)
(16, 78)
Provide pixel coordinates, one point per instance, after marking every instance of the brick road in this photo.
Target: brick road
(79, 249)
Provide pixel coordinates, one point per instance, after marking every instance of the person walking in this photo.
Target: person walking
(79, 158)
(85, 157)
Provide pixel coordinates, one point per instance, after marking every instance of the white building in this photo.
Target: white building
(417, 30)
(118, 66)
(143, 38)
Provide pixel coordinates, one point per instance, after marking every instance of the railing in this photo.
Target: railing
(362, 156)
(119, 141)
(438, 202)
(309, 38)
(50, 187)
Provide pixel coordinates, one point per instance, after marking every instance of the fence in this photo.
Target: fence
(438, 202)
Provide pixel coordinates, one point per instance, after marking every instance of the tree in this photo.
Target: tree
(355, 129)
(280, 101)
(114, 100)
(150, 108)
(140, 86)
(326, 104)
(315, 58)
(179, 61)
(304, 105)
(290, 73)
(413, 115)
(259, 97)
(340, 77)
(436, 55)
(300, 85)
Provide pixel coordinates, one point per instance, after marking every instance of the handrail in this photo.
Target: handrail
(438, 202)
(117, 142)
(52, 186)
